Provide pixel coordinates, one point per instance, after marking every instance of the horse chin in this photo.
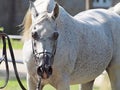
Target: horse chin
(45, 75)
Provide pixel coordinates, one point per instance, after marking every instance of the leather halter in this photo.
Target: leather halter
(37, 54)
(5, 37)
(37, 58)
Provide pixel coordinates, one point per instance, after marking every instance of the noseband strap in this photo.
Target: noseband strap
(37, 54)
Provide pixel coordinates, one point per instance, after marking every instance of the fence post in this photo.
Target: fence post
(89, 4)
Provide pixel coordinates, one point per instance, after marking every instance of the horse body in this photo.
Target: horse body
(87, 45)
(96, 43)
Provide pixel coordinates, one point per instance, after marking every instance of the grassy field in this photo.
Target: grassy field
(13, 85)
(16, 44)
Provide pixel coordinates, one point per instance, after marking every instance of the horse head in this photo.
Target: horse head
(44, 36)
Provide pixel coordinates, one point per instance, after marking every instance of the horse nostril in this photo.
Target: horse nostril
(50, 70)
(40, 71)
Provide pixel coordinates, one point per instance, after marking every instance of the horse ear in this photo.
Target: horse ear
(55, 12)
(33, 9)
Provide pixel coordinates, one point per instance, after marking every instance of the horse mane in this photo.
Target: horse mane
(27, 24)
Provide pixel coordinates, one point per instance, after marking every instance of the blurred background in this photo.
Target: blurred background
(12, 11)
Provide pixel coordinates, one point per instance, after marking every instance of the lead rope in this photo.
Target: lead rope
(38, 87)
(4, 58)
(4, 35)
(39, 84)
(14, 64)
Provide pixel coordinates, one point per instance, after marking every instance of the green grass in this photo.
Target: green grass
(13, 85)
(16, 44)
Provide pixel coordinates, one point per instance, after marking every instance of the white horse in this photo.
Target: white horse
(66, 50)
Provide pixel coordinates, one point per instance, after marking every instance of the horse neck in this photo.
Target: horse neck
(66, 22)
(64, 18)
(69, 28)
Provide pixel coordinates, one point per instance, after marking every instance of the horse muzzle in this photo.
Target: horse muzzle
(44, 67)
(44, 71)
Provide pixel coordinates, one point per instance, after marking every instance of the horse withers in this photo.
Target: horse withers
(65, 50)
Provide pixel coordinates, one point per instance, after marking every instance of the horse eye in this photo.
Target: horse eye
(34, 28)
(55, 35)
(35, 35)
